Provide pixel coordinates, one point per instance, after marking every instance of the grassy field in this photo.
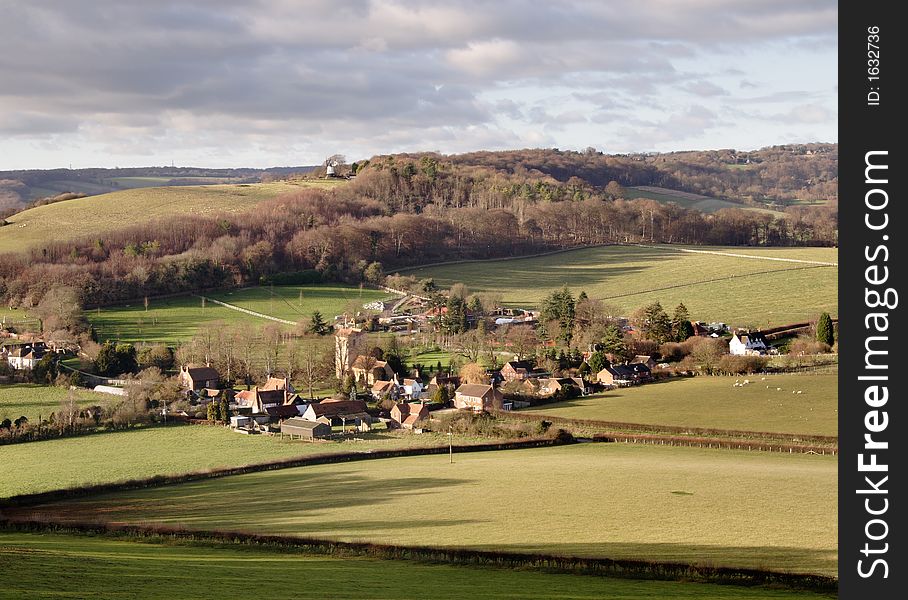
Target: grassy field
(73, 566)
(96, 215)
(676, 504)
(178, 318)
(699, 202)
(34, 400)
(738, 291)
(115, 456)
(714, 402)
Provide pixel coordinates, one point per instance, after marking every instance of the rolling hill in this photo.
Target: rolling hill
(106, 212)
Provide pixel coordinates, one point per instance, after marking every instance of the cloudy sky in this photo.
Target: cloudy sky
(279, 82)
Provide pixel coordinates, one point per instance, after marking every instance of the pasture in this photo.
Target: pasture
(739, 291)
(96, 215)
(699, 202)
(68, 566)
(134, 454)
(178, 318)
(725, 508)
(714, 402)
(33, 401)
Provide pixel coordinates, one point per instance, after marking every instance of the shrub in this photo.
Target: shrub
(741, 365)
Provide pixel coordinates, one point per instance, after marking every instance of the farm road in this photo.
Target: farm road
(245, 310)
(736, 255)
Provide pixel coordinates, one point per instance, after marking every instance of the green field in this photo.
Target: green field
(34, 400)
(96, 215)
(740, 509)
(71, 566)
(714, 402)
(115, 456)
(738, 291)
(696, 201)
(178, 318)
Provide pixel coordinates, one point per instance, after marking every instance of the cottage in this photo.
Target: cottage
(644, 359)
(409, 414)
(368, 369)
(517, 370)
(278, 383)
(412, 388)
(477, 397)
(198, 378)
(553, 385)
(26, 356)
(748, 344)
(382, 388)
(307, 430)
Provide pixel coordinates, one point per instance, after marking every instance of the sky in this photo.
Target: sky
(230, 83)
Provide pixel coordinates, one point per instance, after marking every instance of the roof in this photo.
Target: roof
(382, 386)
(753, 338)
(283, 411)
(641, 358)
(519, 364)
(341, 407)
(476, 390)
(360, 363)
(302, 423)
(202, 373)
(278, 383)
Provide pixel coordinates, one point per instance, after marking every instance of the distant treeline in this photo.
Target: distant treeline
(399, 211)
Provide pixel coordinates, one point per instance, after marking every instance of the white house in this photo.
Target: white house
(748, 344)
(412, 388)
(26, 356)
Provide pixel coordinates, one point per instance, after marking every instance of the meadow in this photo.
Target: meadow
(96, 215)
(144, 452)
(699, 202)
(722, 508)
(178, 318)
(714, 287)
(714, 402)
(64, 566)
(33, 401)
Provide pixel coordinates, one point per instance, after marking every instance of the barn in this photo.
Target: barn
(307, 430)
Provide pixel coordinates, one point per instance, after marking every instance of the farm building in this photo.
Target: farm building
(339, 412)
(198, 378)
(477, 397)
(307, 430)
(409, 414)
(748, 344)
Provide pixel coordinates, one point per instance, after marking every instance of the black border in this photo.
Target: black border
(864, 128)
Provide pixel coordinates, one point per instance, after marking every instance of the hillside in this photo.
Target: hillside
(100, 214)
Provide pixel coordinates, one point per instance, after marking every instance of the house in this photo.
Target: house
(26, 356)
(552, 385)
(383, 388)
(477, 397)
(369, 369)
(641, 372)
(409, 414)
(748, 344)
(278, 383)
(258, 400)
(617, 376)
(307, 430)
(197, 378)
(339, 412)
(644, 359)
(517, 370)
(412, 388)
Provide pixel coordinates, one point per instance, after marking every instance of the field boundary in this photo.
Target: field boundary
(602, 567)
(503, 258)
(245, 310)
(722, 438)
(735, 255)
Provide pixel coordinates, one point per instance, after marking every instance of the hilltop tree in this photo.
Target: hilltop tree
(825, 333)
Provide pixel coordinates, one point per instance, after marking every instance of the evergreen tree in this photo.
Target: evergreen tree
(349, 384)
(655, 324)
(212, 411)
(613, 341)
(597, 362)
(825, 333)
(440, 395)
(317, 324)
(560, 306)
(681, 325)
(224, 409)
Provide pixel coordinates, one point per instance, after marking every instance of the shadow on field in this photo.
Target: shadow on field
(290, 496)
